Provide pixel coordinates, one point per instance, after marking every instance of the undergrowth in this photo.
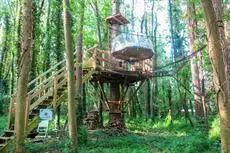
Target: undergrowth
(141, 137)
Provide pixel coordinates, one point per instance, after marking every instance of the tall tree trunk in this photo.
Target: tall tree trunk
(96, 11)
(58, 48)
(194, 66)
(170, 113)
(115, 118)
(37, 10)
(219, 77)
(24, 65)
(84, 99)
(46, 64)
(5, 45)
(154, 80)
(218, 7)
(79, 71)
(147, 91)
(70, 75)
(3, 59)
(202, 85)
(19, 18)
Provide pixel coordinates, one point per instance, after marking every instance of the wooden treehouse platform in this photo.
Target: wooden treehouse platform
(49, 89)
(111, 70)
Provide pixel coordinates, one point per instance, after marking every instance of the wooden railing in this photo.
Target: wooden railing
(105, 61)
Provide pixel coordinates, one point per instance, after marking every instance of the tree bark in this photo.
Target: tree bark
(58, 48)
(218, 7)
(194, 65)
(70, 76)
(147, 91)
(24, 65)
(170, 102)
(219, 77)
(79, 70)
(115, 117)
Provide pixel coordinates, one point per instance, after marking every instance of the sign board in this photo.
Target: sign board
(46, 114)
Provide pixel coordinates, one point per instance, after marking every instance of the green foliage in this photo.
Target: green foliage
(214, 132)
(82, 135)
(147, 136)
(3, 125)
(143, 137)
(62, 144)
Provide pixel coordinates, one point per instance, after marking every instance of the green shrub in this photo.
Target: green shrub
(214, 132)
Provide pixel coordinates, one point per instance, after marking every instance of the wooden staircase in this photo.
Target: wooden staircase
(46, 91)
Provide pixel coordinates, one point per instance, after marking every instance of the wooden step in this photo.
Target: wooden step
(9, 133)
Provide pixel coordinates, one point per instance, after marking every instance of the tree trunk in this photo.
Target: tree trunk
(58, 48)
(194, 66)
(24, 65)
(217, 61)
(79, 71)
(154, 80)
(96, 11)
(218, 7)
(84, 100)
(46, 56)
(101, 105)
(170, 102)
(70, 75)
(36, 38)
(147, 98)
(115, 115)
(202, 85)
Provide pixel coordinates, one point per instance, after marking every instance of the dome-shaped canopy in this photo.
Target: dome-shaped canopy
(132, 47)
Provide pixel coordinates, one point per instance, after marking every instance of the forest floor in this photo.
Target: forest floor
(141, 137)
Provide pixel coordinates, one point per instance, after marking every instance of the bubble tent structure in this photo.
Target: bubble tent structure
(130, 47)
